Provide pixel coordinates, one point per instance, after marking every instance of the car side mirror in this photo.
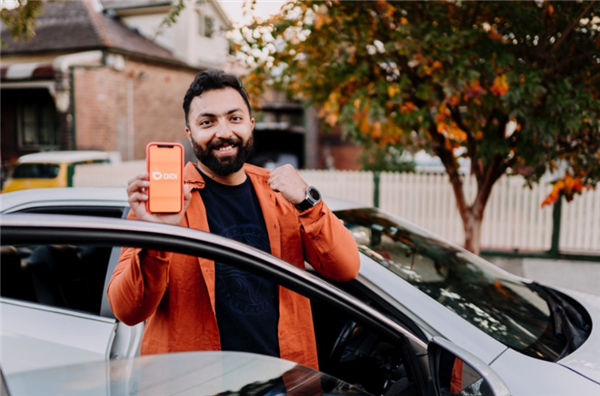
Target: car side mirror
(455, 371)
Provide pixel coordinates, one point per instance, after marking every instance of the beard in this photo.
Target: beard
(224, 166)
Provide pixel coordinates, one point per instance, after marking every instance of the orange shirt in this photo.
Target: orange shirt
(175, 293)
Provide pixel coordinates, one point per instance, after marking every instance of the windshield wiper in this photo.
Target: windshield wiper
(568, 322)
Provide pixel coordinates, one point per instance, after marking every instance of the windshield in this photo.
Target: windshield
(510, 311)
(36, 171)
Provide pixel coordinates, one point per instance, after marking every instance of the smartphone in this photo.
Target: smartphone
(164, 162)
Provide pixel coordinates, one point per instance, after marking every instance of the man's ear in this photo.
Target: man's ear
(188, 133)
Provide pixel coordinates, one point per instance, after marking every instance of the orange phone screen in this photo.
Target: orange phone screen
(165, 168)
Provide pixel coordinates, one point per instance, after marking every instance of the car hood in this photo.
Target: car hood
(585, 360)
(190, 373)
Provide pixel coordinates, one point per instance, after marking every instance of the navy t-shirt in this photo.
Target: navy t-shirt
(247, 305)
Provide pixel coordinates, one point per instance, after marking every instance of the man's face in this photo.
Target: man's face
(220, 130)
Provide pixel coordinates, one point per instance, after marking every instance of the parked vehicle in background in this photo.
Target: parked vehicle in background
(50, 169)
(538, 339)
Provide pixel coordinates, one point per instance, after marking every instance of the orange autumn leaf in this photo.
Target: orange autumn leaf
(331, 119)
(474, 90)
(407, 107)
(452, 131)
(376, 129)
(441, 127)
(500, 86)
(389, 11)
(455, 133)
(453, 101)
(569, 186)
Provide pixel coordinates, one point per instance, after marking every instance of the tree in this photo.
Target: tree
(20, 18)
(517, 84)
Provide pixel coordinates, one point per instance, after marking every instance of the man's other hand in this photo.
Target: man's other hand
(288, 182)
(137, 191)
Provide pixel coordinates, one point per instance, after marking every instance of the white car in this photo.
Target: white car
(538, 340)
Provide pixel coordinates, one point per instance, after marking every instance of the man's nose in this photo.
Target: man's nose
(223, 130)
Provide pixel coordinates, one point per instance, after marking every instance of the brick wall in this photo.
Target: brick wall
(104, 114)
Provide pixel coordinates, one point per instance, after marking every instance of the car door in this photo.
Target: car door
(373, 334)
(53, 300)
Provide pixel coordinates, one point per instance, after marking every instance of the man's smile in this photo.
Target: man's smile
(226, 149)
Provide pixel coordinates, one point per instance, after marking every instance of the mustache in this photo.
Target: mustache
(218, 142)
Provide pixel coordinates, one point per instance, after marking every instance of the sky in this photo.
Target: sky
(263, 8)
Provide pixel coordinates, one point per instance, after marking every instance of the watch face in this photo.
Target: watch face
(314, 194)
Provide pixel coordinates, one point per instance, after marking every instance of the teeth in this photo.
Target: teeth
(225, 148)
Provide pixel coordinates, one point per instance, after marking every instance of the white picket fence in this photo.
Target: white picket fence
(513, 218)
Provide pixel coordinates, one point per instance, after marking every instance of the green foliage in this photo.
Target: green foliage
(444, 75)
(20, 20)
(171, 18)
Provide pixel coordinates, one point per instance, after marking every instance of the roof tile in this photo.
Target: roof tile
(76, 25)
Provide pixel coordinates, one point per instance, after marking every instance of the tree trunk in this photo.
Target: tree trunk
(472, 228)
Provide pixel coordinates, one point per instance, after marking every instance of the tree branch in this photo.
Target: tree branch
(472, 148)
(592, 79)
(447, 158)
(569, 60)
(580, 75)
(565, 33)
(544, 38)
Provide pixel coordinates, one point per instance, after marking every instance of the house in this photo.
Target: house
(97, 76)
(91, 79)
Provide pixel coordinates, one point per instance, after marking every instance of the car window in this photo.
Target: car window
(36, 171)
(58, 275)
(98, 211)
(513, 312)
(63, 276)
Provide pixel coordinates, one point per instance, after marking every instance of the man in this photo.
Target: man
(196, 304)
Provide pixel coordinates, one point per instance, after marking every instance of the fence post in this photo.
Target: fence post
(556, 214)
(376, 177)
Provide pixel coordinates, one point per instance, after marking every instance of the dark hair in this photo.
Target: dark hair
(212, 80)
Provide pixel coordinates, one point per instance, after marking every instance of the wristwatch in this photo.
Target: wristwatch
(313, 197)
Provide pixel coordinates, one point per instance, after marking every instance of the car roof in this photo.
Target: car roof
(80, 196)
(57, 157)
(112, 196)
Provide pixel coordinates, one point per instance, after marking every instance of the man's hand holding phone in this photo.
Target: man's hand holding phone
(137, 191)
(159, 195)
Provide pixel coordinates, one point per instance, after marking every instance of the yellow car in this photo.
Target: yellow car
(50, 169)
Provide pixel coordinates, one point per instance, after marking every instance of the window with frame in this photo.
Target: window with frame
(38, 124)
(206, 25)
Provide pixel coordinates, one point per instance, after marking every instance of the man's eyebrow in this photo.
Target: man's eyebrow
(211, 115)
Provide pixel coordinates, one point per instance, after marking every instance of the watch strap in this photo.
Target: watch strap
(309, 200)
(304, 205)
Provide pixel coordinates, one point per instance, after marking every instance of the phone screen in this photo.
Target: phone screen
(165, 168)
